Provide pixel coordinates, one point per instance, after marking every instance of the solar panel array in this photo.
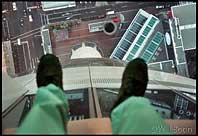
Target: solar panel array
(152, 46)
(129, 37)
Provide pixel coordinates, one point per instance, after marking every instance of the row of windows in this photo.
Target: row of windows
(181, 103)
(152, 47)
(130, 57)
(146, 31)
(141, 19)
(135, 28)
(146, 56)
(140, 40)
(120, 53)
(125, 44)
(152, 22)
(130, 36)
(135, 49)
(158, 38)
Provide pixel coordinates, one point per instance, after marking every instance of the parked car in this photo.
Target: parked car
(30, 18)
(25, 13)
(159, 6)
(101, 16)
(21, 21)
(14, 6)
(5, 11)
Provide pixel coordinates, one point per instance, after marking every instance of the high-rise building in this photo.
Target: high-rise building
(183, 35)
(138, 40)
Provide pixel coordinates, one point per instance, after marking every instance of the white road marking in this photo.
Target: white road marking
(33, 65)
(123, 6)
(37, 59)
(26, 5)
(29, 55)
(24, 56)
(92, 12)
(8, 28)
(64, 17)
(108, 9)
(37, 35)
(64, 12)
(4, 28)
(127, 11)
(32, 44)
(27, 36)
(56, 18)
(41, 19)
(35, 62)
(47, 19)
(25, 33)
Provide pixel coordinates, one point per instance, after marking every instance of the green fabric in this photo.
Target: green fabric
(135, 115)
(49, 113)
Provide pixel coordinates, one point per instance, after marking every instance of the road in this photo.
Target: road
(27, 54)
(88, 13)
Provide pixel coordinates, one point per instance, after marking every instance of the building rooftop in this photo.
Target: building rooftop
(49, 5)
(86, 50)
(186, 13)
(183, 32)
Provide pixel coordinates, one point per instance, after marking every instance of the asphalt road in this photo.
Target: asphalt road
(86, 13)
(27, 54)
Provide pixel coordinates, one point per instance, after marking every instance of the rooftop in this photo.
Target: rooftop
(49, 5)
(186, 13)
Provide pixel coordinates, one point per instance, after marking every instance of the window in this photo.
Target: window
(140, 40)
(135, 49)
(146, 31)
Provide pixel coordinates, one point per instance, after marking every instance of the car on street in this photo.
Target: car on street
(5, 11)
(25, 13)
(19, 41)
(159, 7)
(21, 21)
(29, 10)
(30, 18)
(66, 14)
(4, 17)
(101, 16)
(67, 18)
(14, 6)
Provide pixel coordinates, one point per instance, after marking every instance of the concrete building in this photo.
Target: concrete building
(7, 58)
(53, 5)
(137, 41)
(183, 34)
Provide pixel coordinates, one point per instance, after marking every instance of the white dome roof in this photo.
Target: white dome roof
(85, 52)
